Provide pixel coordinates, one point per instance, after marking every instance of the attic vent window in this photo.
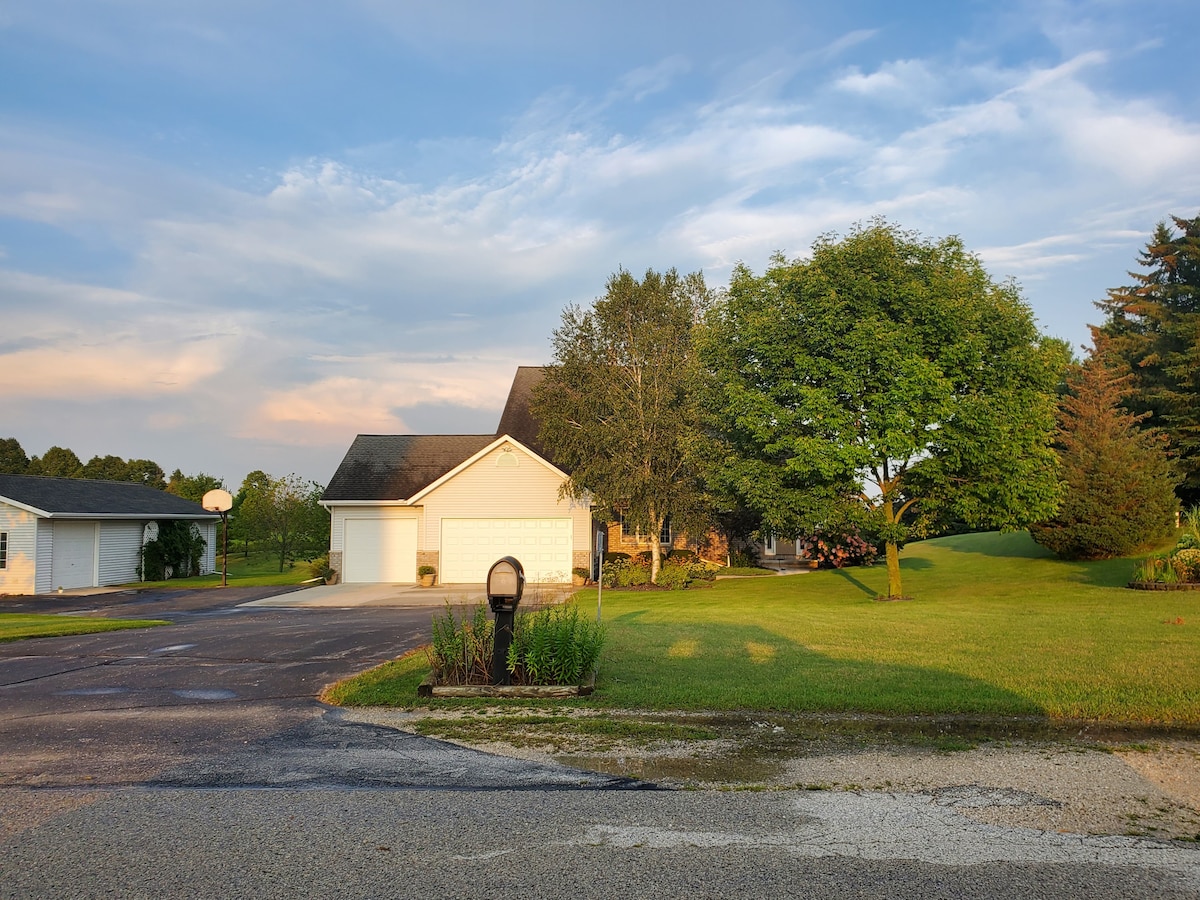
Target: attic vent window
(507, 459)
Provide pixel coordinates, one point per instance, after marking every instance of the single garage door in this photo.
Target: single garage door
(380, 550)
(73, 563)
(470, 546)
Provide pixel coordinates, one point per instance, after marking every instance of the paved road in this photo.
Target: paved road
(192, 761)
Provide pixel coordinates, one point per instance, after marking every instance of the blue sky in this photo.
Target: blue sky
(235, 234)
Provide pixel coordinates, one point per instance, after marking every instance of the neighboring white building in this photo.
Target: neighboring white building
(457, 502)
(78, 533)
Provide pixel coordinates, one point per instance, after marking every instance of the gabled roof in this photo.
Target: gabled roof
(397, 466)
(84, 498)
(516, 420)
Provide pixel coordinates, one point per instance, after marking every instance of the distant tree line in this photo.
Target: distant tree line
(277, 515)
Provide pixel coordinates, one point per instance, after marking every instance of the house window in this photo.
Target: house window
(664, 536)
(769, 544)
(624, 529)
(3, 549)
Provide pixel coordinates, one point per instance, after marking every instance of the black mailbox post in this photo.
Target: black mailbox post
(505, 584)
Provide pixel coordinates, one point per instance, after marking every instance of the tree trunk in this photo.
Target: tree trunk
(655, 547)
(893, 569)
(891, 550)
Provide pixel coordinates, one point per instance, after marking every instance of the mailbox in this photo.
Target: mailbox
(505, 584)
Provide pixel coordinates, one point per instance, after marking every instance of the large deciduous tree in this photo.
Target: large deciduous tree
(1120, 485)
(614, 407)
(1152, 331)
(13, 460)
(57, 462)
(884, 378)
(285, 515)
(193, 487)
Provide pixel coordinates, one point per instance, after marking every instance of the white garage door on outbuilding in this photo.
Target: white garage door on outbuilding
(380, 550)
(74, 561)
(470, 546)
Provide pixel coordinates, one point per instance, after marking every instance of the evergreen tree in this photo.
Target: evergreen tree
(1152, 331)
(1119, 483)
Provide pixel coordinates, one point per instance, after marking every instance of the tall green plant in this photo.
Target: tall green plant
(554, 646)
(461, 650)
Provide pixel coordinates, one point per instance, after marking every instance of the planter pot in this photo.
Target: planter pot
(578, 580)
(427, 580)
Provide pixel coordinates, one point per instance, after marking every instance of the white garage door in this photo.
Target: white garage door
(73, 563)
(470, 546)
(380, 550)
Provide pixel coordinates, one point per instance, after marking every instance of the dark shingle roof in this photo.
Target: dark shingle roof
(85, 498)
(516, 420)
(396, 466)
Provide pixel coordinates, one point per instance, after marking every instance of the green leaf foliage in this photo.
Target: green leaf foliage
(1119, 484)
(883, 374)
(615, 407)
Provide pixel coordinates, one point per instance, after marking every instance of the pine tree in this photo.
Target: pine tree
(1120, 484)
(1152, 331)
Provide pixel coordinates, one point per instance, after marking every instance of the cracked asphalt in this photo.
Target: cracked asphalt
(192, 760)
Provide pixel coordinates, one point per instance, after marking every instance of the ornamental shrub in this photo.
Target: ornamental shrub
(1187, 564)
(837, 549)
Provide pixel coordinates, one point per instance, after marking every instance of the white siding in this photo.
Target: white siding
(19, 576)
(486, 490)
(339, 514)
(45, 555)
(120, 551)
(208, 562)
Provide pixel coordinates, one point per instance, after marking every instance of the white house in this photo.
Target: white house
(456, 502)
(77, 533)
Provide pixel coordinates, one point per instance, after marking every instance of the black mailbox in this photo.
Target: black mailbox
(505, 584)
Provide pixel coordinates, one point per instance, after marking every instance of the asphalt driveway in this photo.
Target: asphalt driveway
(223, 696)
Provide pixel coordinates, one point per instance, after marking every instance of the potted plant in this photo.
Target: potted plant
(426, 574)
(579, 576)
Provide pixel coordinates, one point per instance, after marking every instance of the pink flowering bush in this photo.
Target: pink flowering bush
(836, 550)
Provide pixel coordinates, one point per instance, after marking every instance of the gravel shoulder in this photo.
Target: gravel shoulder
(1144, 787)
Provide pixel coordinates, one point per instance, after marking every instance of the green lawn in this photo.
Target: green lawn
(18, 626)
(996, 627)
(255, 570)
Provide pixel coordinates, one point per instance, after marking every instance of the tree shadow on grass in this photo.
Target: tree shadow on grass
(747, 667)
(907, 565)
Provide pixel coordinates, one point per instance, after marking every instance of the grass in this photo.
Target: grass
(255, 570)
(997, 627)
(19, 626)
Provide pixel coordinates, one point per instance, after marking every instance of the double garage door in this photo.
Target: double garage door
(470, 546)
